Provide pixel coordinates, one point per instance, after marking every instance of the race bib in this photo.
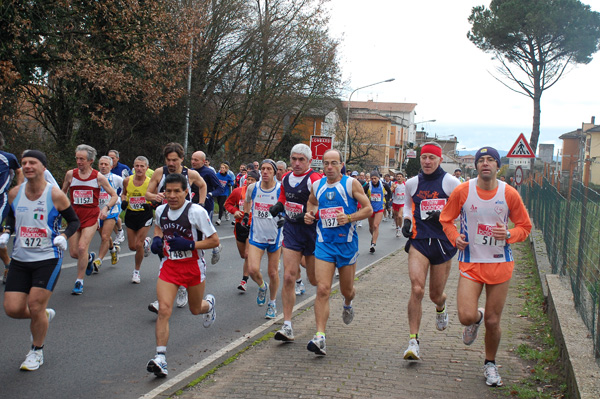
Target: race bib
(241, 205)
(484, 236)
(178, 255)
(103, 199)
(262, 210)
(223, 182)
(435, 204)
(376, 197)
(293, 209)
(34, 237)
(83, 197)
(328, 216)
(137, 203)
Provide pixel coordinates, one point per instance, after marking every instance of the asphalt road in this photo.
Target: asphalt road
(99, 343)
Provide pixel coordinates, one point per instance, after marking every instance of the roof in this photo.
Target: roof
(595, 129)
(367, 116)
(380, 106)
(575, 134)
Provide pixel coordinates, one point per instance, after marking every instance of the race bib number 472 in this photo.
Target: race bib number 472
(33, 237)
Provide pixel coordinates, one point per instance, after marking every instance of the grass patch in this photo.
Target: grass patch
(540, 352)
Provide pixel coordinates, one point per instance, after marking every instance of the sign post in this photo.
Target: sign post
(318, 146)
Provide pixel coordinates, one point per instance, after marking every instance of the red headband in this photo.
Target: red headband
(431, 149)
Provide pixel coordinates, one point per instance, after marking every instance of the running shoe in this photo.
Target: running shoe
(135, 277)
(300, 289)
(372, 249)
(33, 361)
(120, 237)
(348, 314)
(78, 289)
(216, 254)
(227, 217)
(412, 352)
(50, 313)
(158, 366)
(90, 265)
(5, 275)
(209, 318)
(470, 332)
(271, 311)
(242, 286)
(261, 298)
(441, 319)
(337, 273)
(285, 334)
(114, 254)
(96, 266)
(182, 297)
(317, 345)
(218, 222)
(359, 223)
(147, 244)
(398, 232)
(153, 307)
(492, 378)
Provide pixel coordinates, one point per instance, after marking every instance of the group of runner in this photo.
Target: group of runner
(295, 213)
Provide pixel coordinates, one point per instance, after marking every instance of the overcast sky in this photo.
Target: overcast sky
(424, 46)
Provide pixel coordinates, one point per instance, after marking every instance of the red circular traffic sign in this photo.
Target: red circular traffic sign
(519, 175)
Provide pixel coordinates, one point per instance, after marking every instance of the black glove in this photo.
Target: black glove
(178, 243)
(299, 218)
(433, 216)
(276, 209)
(124, 204)
(406, 228)
(280, 223)
(157, 246)
(245, 219)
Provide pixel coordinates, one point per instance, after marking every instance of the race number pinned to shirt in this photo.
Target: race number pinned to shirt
(34, 237)
(293, 209)
(262, 210)
(375, 197)
(484, 236)
(328, 216)
(103, 199)
(434, 204)
(177, 255)
(83, 197)
(137, 203)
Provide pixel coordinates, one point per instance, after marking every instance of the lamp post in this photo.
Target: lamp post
(348, 113)
(409, 125)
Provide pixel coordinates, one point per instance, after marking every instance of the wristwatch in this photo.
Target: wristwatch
(507, 234)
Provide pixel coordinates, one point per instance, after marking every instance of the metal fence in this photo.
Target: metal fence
(570, 223)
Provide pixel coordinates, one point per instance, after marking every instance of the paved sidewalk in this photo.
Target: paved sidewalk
(365, 359)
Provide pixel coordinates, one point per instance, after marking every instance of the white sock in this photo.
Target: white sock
(161, 349)
(287, 323)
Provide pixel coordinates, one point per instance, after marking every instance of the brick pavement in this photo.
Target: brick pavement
(365, 359)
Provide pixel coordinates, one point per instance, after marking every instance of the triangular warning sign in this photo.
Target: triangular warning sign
(521, 149)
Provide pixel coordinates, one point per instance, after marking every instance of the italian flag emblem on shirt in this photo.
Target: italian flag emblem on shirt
(38, 216)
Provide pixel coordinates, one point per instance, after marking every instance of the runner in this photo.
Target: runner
(298, 238)
(181, 234)
(173, 153)
(427, 247)
(123, 172)
(106, 226)
(239, 178)
(376, 191)
(281, 170)
(235, 206)
(458, 175)
(265, 234)
(226, 184)
(9, 169)
(334, 199)
(138, 213)
(83, 185)
(36, 208)
(485, 257)
(398, 196)
(387, 210)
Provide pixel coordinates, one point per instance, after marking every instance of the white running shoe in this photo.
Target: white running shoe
(300, 288)
(153, 307)
(285, 334)
(218, 222)
(135, 278)
(317, 345)
(412, 352)
(147, 244)
(492, 378)
(182, 297)
(158, 366)
(33, 361)
(347, 314)
(271, 311)
(216, 254)
(337, 273)
(470, 332)
(209, 318)
(120, 237)
(441, 319)
(227, 217)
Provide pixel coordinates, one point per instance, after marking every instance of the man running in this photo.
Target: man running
(334, 199)
(182, 232)
(458, 175)
(174, 155)
(123, 172)
(485, 257)
(398, 196)
(138, 213)
(83, 185)
(377, 192)
(298, 238)
(265, 234)
(428, 247)
(36, 208)
(226, 182)
(107, 225)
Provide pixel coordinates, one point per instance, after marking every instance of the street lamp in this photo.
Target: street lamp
(348, 113)
(408, 127)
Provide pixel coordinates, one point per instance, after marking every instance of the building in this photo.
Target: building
(571, 150)
(546, 152)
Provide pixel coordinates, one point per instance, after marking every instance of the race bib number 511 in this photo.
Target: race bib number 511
(484, 236)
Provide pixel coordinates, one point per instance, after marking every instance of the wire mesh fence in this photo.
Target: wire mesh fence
(570, 222)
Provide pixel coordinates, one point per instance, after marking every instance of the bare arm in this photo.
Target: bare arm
(196, 179)
(152, 193)
(67, 181)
